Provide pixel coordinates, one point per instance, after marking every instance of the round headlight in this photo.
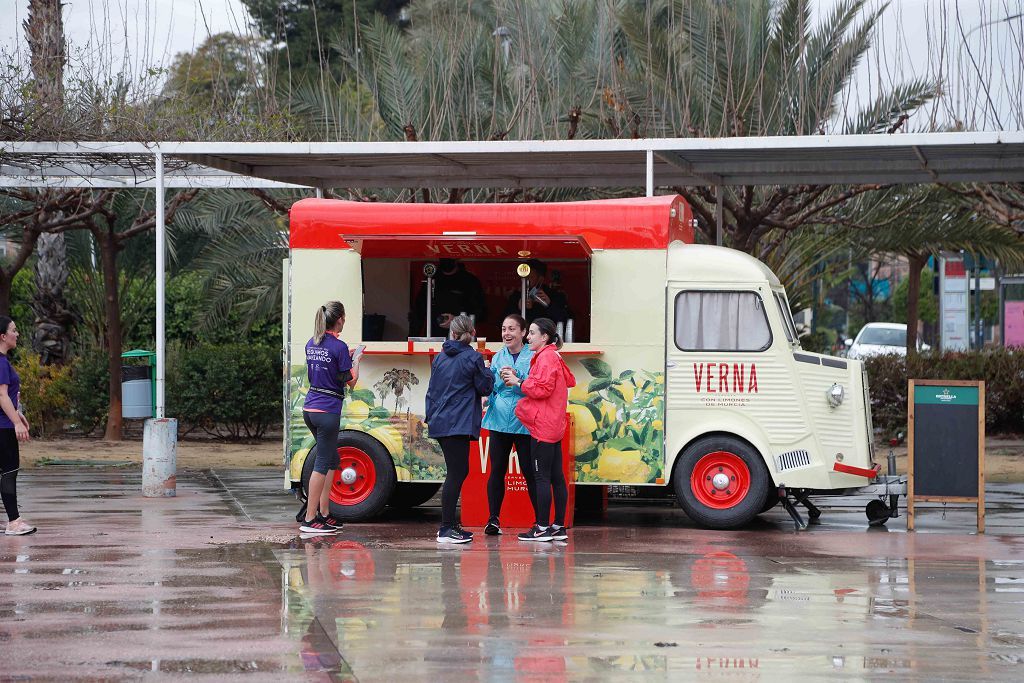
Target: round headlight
(835, 395)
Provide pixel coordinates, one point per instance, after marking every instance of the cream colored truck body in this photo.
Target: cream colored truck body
(641, 400)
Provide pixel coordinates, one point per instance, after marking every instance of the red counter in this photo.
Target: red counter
(516, 509)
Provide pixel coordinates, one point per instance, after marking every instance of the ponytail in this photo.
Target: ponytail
(327, 316)
(461, 328)
(546, 326)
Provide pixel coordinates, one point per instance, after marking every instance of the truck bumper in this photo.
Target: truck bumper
(883, 485)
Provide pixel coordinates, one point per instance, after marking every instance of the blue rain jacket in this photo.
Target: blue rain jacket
(458, 379)
(501, 407)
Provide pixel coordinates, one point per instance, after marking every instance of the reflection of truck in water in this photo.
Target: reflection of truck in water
(712, 613)
(690, 371)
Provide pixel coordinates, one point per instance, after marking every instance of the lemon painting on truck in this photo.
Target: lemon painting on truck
(689, 368)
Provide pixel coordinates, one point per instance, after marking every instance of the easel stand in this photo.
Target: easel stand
(946, 444)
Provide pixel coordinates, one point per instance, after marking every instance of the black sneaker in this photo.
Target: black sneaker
(454, 535)
(492, 528)
(559, 533)
(463, 531)
(331, 522)
(317, 526)
(536, 534)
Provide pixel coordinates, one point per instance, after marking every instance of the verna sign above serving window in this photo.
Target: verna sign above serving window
(469, 246)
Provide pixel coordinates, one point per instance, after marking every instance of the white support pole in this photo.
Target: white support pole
(159, 440)
(650, 173)
(161, 238)
(719, 216)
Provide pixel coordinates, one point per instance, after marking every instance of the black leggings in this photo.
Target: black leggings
(456, 462)
(498, 450)
(9, 464)
(325, 428)
(547, 467)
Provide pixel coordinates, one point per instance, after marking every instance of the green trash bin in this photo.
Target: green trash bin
(138, 386)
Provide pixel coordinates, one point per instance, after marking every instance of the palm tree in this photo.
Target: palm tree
(398, 380)
(921, 222)
(51, 338)
(247, 240)
(756, 68)
(44, 32)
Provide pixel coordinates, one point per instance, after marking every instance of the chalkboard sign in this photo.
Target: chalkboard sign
(946, 444)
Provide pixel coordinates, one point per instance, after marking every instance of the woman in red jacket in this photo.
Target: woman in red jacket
(542, 412)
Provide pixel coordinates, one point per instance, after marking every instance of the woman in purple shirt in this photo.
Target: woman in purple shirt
(330, 368)
(13, 428)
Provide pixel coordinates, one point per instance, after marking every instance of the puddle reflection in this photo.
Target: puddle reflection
(511, 611)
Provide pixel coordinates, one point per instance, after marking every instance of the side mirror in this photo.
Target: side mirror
(847, 343)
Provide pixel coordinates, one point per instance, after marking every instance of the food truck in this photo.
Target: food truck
(689, 368)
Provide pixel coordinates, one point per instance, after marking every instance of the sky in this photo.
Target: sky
(915, 38)
(146, 33)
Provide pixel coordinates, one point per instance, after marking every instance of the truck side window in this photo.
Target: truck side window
(721, 321)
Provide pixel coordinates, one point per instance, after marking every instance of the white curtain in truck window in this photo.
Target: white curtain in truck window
(721, 321)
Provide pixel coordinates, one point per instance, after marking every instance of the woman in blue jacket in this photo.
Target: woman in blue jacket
(458, 380)
(505, 428)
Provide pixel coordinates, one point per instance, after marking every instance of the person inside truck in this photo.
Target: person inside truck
(544, 299)
(456, 291)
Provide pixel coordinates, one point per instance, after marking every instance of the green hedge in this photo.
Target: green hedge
(229, 390)
(1001, 369)
(90, 378)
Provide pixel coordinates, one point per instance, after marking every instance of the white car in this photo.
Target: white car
(875, 339)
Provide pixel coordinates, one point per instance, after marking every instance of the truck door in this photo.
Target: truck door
(727, 376)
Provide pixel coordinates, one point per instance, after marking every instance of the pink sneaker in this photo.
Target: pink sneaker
(19, 527)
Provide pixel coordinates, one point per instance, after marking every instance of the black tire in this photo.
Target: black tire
(384, 484)
(409, 494)
(877, 512)
(742, 510)
(771, 500)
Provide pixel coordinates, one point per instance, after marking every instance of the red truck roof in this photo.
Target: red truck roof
(636, 223)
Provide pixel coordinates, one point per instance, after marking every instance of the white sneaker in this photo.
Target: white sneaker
(19, 528)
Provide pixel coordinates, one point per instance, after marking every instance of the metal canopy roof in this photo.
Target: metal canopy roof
(793, 160)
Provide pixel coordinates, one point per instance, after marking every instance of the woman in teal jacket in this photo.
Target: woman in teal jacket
(505, 428)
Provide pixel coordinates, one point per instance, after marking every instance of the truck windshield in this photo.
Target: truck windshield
(787, 317)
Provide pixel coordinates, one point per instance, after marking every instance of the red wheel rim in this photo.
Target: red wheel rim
(721, 480)
(357, 466)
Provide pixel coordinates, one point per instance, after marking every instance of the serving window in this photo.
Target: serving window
(483, 281)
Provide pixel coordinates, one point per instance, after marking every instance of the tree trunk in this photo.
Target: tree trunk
(51, 338)
(111, 308)
(5, 294)
(44, 33)
(913, 300)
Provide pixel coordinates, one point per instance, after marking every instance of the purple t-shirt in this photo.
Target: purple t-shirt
(9, 377)
(325, 362)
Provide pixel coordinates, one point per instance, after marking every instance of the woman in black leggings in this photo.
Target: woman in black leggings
(13, 428)
(458, 380)
(501, 422)
(542, 412)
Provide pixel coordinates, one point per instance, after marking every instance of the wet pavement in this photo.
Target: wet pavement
(215, 583)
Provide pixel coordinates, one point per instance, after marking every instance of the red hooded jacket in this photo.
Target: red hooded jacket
(546, 389)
